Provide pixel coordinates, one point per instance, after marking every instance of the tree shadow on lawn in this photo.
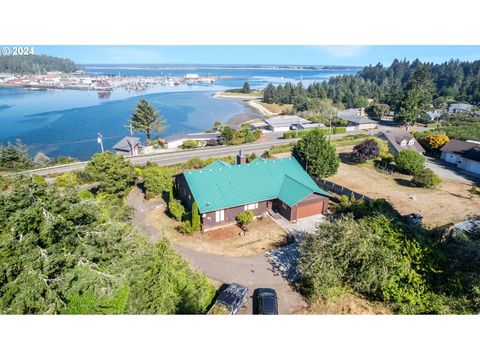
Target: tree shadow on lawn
(404, 182)
(346, 158)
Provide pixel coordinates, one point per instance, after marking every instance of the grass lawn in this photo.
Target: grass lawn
(264, 234)
(450, 203)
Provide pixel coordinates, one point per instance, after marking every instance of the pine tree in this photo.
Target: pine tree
(246, 87)
(147, 120)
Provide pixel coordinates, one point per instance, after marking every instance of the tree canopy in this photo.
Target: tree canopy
(65, 254)
(113, 173)
(147, 120)
(316, 154)
(35, 64)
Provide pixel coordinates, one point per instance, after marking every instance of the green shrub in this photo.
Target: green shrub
(67, 180)
(426, 178)
(186, 228)
(114, 174)
(156, 179)
(244, 218)
(189, 144)
(176, 209)
(410, 161)
(292, 134)
(196, 222)
(85, 194)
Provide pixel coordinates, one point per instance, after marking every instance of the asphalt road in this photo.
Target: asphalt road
(173, 157)
(180, 156)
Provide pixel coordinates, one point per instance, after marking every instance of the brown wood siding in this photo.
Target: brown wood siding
(183, 191)
(208, 220)
(283, 209)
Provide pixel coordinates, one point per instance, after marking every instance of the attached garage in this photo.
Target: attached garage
(474, 167)
(451, 158)
(313, 204)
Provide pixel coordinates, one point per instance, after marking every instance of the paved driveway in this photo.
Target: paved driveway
(449, 171)
(308, 224)
(251, 271)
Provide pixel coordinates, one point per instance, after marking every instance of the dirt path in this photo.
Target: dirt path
(251, 271)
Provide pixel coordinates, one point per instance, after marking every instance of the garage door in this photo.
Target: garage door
(474, 167)
(304, 210)
(451, 158)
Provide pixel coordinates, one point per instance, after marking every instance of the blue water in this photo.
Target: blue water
(66, 122)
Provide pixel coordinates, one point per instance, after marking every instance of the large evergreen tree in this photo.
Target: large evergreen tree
(316, 154)
(147, 120)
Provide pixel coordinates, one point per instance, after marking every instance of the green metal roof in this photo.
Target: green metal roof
(221, 185)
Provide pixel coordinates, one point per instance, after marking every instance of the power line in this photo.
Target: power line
(76, 142)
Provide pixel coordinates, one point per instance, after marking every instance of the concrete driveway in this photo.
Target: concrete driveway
(449, 171)
(251, 271)
(308, 224)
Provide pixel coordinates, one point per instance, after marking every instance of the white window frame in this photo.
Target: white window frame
(403, 143)
(219, 215)
(252, 206)
(411, 142)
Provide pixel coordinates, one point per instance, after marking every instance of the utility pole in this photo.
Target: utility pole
(100, 140)
(131, 130)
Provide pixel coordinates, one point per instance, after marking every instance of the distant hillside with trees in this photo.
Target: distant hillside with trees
(453, 80)
(35, 64)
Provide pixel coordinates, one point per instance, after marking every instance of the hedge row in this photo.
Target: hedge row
(291, 134)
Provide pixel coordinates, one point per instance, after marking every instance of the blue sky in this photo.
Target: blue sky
(236, 54)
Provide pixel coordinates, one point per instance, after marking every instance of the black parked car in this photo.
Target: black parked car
(230, 300)
(266, 300)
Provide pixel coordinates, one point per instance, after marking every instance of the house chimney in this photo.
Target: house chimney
(241, 158)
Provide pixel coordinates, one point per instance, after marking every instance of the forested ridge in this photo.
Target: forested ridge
(35, 64)
(456, 80)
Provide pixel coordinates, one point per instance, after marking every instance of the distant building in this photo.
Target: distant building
(464, 154)
(434, 115)
(175, 141)
(358, 118)
(128, 146)
(401, 140)
(285, 122)
(460, 108)
(191, 77)
(310, 126)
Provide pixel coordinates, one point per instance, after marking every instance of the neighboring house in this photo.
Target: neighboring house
(434, 115)
(176, 141)
(401, 140)
(358, 118)
(222, 190)
(465, 154)
(285, 122)
(129, 145)
(460, 108)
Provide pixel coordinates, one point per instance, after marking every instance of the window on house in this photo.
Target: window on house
(251, 206)
(403, 143)
(411, 142)
(219, 215)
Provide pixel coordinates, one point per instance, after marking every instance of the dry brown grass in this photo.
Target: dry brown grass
(277, 108)
(450, 203)
(347, 304)
(263, 235)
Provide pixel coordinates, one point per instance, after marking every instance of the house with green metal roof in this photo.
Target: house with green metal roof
(222, 190)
